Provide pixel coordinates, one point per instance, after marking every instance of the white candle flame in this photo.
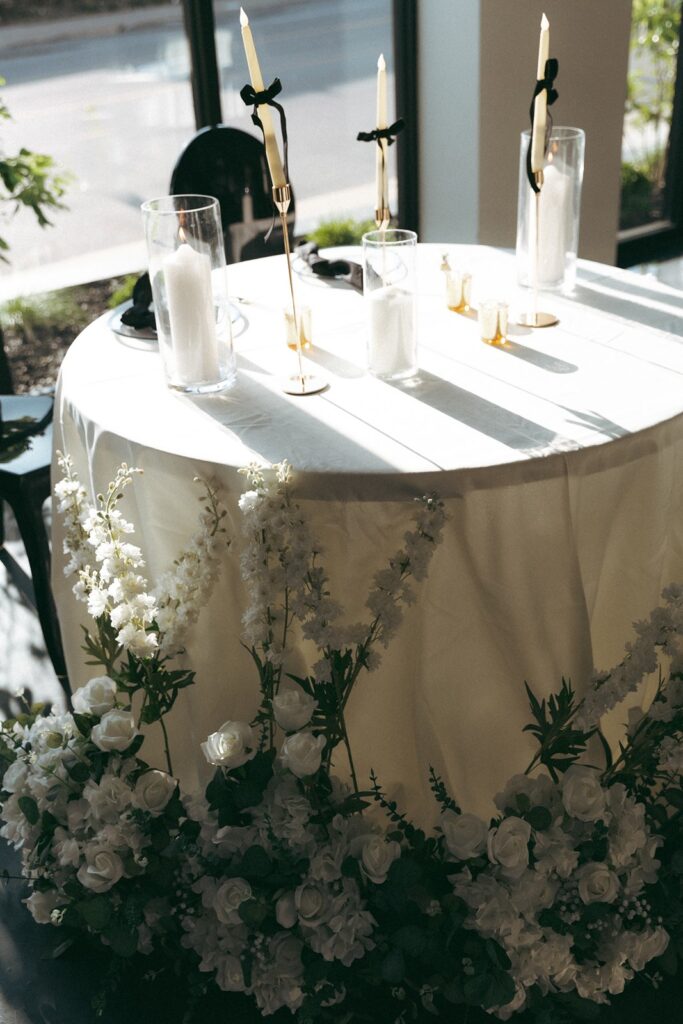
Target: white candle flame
(244, 20)
(544, 22)
(381, 63)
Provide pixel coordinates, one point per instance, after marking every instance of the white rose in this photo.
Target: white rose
(230, 747)
(285, 911)
(115, 731)
(229, 974)
(508, 845)
(377, 857)
(312, 903)
(465, 834)
(293, 708)
(229, 896)
(597, 884)
(96, 697)
(285, 955)
(153, 790)
(302, 753)
(582, 795)
(101, 870)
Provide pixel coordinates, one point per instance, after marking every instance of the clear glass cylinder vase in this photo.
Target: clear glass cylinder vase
(548, 226)
(389, 287)
(190, 291)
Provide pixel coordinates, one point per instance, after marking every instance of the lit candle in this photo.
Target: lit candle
(187, 276)
(277, 173)
(381, 158)
(541, 101)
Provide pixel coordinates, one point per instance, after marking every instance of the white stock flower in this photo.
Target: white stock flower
(42, 905)
(115, 730)
(293, 708)
(582, 793)
(229, 897)
(153, 790)
(377, 856)
(107, 799)
(465, 834)
(508, 846)
(14, 779)
(231, 746)
(302, 753)
(102, 868)
(641, 947)
(597, 883)
(95, 698)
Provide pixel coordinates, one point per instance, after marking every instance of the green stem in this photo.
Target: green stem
(167, 750)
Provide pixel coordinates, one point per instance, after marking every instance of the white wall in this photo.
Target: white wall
(477, 62)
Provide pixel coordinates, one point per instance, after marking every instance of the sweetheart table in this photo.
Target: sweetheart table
(559, 458)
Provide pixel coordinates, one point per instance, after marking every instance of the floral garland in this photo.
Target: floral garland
(282, 882)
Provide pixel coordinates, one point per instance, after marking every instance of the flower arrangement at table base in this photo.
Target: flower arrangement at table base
(290, 881)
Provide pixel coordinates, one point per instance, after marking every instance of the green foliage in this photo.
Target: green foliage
(124, 292)
(29, 180)
(340, 232)
(655, 30)
(559, 744)
(27, 313)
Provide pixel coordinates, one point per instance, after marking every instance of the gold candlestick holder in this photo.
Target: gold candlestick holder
(300, 383)
(533, 318)
(383, 218)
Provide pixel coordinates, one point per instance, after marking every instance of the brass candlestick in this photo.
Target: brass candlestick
(301, 383)
(532, 318)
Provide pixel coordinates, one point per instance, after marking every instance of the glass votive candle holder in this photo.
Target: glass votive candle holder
(190, 291)
(305, 319)
(458, 289)
(493, 322)
(389, 287)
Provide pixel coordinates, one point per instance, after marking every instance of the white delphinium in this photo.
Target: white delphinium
(182, 592)
(661, 630)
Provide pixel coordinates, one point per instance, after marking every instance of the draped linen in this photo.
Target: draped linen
(559, 458)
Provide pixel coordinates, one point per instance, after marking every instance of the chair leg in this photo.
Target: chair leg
(28, 513)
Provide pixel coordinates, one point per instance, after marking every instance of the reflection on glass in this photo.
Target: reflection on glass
(655, 32)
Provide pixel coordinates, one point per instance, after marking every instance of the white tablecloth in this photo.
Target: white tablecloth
(559, 458)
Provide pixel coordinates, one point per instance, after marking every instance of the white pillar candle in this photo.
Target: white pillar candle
(392, 346)
(277, 173)
(555, 217)
(187, 275)
(383, 147)
(541, 101)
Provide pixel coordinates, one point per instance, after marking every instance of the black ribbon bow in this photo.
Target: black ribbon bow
(267, 97)
(139, 315)
(548, 83)
(377, 134)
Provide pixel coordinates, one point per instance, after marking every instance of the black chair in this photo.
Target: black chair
(231, 165)
(25, 456)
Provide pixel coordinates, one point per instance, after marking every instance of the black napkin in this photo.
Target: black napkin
(139, 315)
(339, 270)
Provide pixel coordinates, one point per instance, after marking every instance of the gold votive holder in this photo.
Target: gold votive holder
(305, 318)
(493, 322)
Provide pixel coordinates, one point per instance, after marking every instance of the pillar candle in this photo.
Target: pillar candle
(541, 101)
(277, 173)
(392, 338)
(187, 275)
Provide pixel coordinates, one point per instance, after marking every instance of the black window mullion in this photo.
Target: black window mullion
(200, 29)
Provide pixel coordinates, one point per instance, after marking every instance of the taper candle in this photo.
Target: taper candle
(277, 173)
(541, 101)
(381, 157)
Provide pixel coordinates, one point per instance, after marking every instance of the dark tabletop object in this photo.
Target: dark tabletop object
(139, 315)
(337, 270)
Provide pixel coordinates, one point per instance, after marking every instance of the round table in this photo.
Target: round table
(558, 457)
